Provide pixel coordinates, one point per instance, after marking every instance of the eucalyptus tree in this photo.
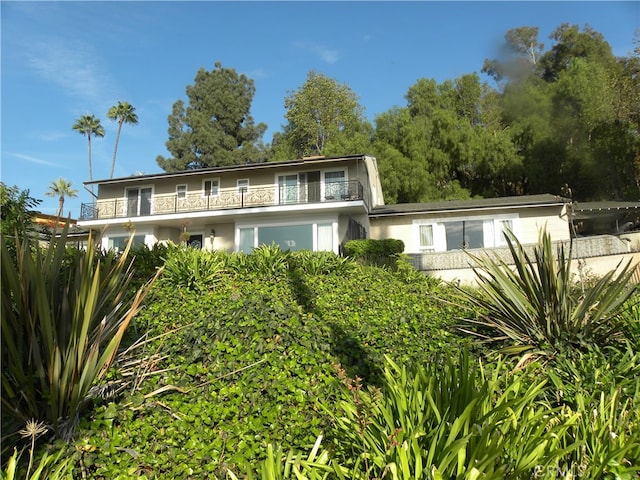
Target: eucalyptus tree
(61, 188)
(324, 117)
(519, 56)
(215, 128)
(89, 125)
(123, 113)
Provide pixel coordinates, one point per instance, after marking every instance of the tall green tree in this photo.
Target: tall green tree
(570, 113)
(215, 128)
(17, 209)
(449, 142)
(61, 188)
(519, 56)
(90, 126)
(324, 117)
(571, 43)
(123, 113)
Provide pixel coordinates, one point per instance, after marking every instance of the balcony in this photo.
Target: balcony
(148, 204)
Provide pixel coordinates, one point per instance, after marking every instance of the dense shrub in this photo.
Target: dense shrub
(373, 312)
(374, 252)
(255, 366)
(246, 361)
(264, 349)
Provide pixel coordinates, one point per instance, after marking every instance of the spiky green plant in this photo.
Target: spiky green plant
(55, 466)
(608, 435)
(536, 304)
(63, 315)
(276, 466)
(193, 269)
(447, 420)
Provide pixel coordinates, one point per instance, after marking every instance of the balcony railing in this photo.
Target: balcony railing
(226, 199)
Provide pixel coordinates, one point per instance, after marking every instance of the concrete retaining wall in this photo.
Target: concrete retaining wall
(596, 256)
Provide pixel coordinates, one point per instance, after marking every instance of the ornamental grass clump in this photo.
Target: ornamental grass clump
(448, 419)
(64, 312)
(536, 304)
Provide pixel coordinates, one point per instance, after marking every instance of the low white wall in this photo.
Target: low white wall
(595, 255)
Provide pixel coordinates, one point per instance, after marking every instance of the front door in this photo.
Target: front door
(195, 241)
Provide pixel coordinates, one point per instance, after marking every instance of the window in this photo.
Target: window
(334, 185)
(211, 188)
(288, 188)
(293, 237)
(453, 234)
(325, 237)
(426, 238)
(502, 226)
(464, 234)
(243, 185)
(138, 201)
(181, 192)
(118, 244)
(246, 241)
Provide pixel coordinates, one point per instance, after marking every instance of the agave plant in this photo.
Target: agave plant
(63, 316)
(537, 305)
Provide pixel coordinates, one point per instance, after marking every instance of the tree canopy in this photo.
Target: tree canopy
(215, 128)
(567, 115)
(324, 117)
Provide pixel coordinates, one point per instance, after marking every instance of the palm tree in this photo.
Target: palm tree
(124, 112)
(89, 125)
(61, 188)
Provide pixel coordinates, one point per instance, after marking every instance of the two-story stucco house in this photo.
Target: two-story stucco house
(315, 203)
(319, 203)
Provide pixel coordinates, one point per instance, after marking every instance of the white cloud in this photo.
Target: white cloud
(31, 159)
(74, 68)
(53, 136)
(326, 54)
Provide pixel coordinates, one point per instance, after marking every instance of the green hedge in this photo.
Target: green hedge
(374, 251)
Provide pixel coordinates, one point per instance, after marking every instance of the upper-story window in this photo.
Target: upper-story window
(243, 185)
(335, 186)
(138, 201)
(211, 187)
(181, 192)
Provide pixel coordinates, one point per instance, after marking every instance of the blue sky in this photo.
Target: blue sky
(61, 60)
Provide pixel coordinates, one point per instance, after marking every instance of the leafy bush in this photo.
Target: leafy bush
(265, 260)
(254, 369)
(63, 317)
(374, 252)
(537, 305)
(373, 312)
(146, 262)
(444, 420)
